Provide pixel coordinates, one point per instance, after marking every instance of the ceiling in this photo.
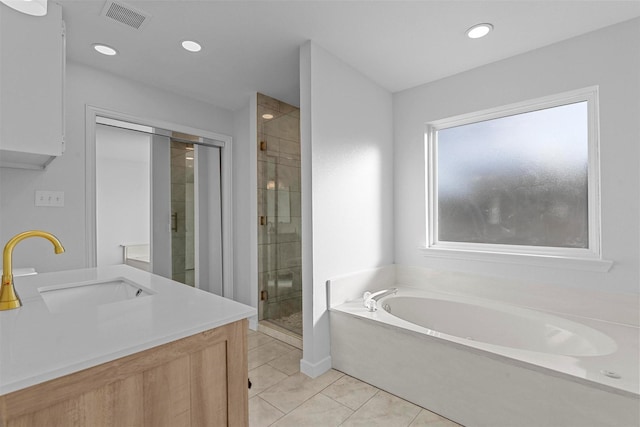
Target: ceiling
(253, 46)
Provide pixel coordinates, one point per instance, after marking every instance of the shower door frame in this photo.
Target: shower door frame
(91, 114)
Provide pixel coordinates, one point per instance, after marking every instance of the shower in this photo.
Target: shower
(279, 216)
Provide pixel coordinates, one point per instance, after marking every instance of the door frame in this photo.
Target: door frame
(91, 113)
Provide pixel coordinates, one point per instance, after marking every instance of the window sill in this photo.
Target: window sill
(585, 264)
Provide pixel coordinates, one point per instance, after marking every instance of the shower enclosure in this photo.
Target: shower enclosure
(279, 215)
(182, 213)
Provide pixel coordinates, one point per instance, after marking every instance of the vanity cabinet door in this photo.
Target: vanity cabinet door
(31, 87)
(196, 381)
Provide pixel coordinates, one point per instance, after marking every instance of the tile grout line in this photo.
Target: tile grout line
(321, 391)
(306, 400)
(342, 374)
(311, 397)
(277, 382)
(279, 418)
(272, 359)
(324, 395)
(364, 403)
(416, 417)
(346, 375)
(278, 357)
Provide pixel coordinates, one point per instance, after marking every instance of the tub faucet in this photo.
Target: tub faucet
(370, 300)
(8, 297)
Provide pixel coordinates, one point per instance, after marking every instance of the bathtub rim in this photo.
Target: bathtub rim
(355, 309)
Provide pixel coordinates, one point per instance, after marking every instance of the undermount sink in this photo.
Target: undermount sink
(60, 298)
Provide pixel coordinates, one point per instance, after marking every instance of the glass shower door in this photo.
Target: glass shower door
(280, 226)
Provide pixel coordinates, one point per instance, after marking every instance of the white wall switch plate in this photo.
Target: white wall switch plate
(50, 198)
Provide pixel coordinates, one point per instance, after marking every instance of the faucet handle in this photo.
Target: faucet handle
(371, 304)
(365, 297)
(368, 302)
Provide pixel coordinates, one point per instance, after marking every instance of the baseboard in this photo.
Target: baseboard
(314, 370)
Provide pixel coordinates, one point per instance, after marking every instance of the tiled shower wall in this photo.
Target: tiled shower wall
(279, 215)
(182, 206)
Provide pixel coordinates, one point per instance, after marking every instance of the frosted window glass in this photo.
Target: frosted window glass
(516, 180)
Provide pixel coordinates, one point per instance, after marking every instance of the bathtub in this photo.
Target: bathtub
(494, 327)
(485, 363)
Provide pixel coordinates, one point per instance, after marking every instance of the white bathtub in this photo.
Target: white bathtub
(495, 327)
(482, 363)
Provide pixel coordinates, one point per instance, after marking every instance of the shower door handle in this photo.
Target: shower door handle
(174, 221)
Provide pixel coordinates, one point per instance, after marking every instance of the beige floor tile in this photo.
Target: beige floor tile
(280, 334)
(282, 395)
(263, 377)
(288, 363)
(256, 339)
(261, 414)
(350, 392)
(317, 411)
(291, 392)
(267, 352)
(429, 419)
(386, 410)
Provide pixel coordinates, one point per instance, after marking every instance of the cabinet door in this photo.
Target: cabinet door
(195, 381)
(31, 87)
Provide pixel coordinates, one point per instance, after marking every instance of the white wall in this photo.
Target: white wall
(123, 196)
(84, 86)
(609, 58)
(347, 185)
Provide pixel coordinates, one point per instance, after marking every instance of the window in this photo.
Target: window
(521, 179)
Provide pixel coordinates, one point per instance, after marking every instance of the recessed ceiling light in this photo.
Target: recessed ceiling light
(191, 46)
(30, 7)
(267, 116)
(104, 49)
(479, 30)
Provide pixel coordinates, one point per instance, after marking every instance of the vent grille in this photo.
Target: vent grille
(125, 14)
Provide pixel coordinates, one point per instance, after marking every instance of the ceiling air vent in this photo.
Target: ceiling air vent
(125, 14)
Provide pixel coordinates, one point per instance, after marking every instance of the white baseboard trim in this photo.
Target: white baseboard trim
(314, 370)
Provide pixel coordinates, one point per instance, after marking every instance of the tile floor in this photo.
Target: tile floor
(282, 396)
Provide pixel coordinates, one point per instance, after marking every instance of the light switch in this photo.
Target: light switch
(50, 198)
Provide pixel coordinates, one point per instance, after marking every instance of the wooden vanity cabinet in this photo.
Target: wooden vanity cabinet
(200, 380)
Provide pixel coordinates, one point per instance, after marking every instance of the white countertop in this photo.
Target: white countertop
(37, 345)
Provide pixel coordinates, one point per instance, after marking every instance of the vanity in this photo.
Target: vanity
(116, 346)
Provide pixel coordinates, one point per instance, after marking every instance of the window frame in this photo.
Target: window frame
(583, 258)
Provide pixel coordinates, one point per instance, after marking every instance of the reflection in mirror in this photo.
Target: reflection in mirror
(122, 196)
(158, 203)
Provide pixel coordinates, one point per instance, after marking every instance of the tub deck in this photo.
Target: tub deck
(479, 384)
(586, 369)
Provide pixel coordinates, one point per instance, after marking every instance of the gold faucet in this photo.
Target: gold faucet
(8, 297)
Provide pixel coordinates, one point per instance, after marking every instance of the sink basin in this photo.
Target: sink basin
(75, 296)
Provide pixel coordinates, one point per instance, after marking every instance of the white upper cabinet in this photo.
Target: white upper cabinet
(31, 87)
